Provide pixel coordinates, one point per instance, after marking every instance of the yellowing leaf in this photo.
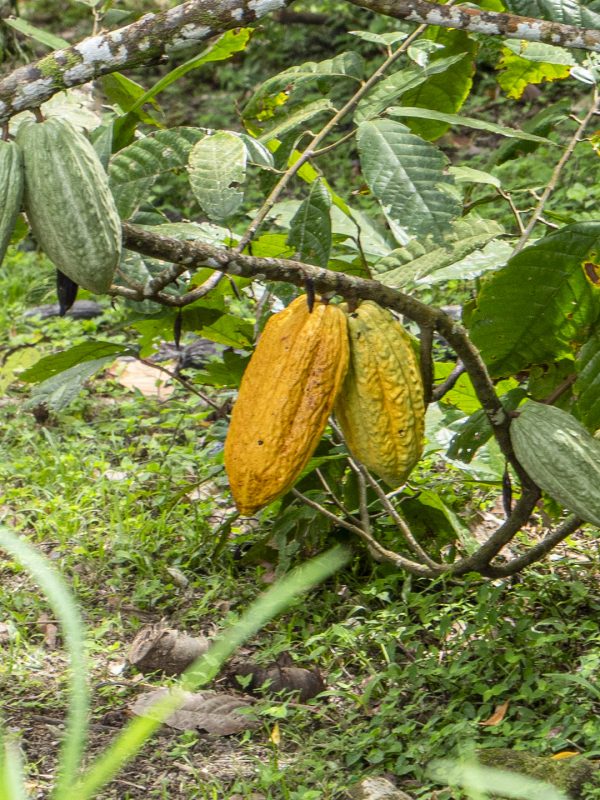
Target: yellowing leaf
(518, 72)
(275, 736)
(565, 754)
(497, 716)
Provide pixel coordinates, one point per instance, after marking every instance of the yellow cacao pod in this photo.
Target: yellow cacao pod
(380, 407)
(286, 395)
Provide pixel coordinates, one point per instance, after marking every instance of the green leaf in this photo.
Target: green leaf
(476, 430)
(386, 39)
(587, 385)
(406, 175)
(217, 172)
(344, 65)
(272, 245)
(297, 119)
(409, 265)
(258, 153)
(542, 124)
(517, 72)
(59, 362)
(570, 12)
(227, 371)
(62, 388)
(102, 139)
(230, 42)
(134, 169)
(391, 88)
(446, 91)
(310, 229)
(16, 363)
(470, 175)
(466, 122)
(41, 36)
(542, 304)
(226, 329)
(545, 53)
(124, 92)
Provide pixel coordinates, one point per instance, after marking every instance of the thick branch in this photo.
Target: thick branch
(488, 22)
(152, 38)
(193, 255)
(534, 553)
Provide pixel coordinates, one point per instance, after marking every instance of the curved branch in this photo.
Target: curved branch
(488, 22)
(534, 553)
(193, 255)
(152, 38)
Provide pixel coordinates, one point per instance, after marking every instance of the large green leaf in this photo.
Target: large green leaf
(570, 12)
(409, 265)
(134, 169)
(446, 91)
(310, 228)
(406, 175)
(217, 172)
(61, 389)
(542, 304)
(344, 65)
(587, 385)
(51, 365)
(391, 88)
(466, 122)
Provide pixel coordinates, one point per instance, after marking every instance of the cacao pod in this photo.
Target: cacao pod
(11, 191)
(380, 407)
(286, 395)
(68, 203)
(561, 456)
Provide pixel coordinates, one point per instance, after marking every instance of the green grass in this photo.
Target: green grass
(412, 667)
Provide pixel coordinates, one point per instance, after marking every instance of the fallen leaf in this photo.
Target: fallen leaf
(156, 648)
(565, 754)
(212, 712)
(498, 715)
(274, 678)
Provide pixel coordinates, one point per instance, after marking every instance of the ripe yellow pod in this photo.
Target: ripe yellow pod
(286, 395)
(380, 407)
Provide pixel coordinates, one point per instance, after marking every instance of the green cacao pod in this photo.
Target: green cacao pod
(68, 203)
(380, 408)
(285, 398)
(11, 191)
(561, 456)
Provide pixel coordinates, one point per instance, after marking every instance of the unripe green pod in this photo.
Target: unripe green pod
(11, 191)
(561, 456)
(69, 204)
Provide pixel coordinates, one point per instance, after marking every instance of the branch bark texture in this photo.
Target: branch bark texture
(152, 38)
(155, 37)
(491, 23)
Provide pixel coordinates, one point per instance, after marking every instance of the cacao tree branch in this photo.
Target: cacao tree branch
(574, 141)
(377, 550)
(153, 38)
(491, 23)
(534, 553)
(449, 383)
(193, 255)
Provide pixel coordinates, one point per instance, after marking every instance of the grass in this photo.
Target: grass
(108, 490)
